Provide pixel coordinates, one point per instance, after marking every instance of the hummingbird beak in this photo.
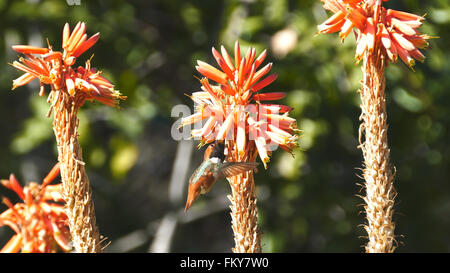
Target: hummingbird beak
(192, 195)
(188, 205)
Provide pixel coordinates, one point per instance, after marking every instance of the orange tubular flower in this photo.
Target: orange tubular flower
(397, 30)
(40, 222)
(55, 68)
(233, 108)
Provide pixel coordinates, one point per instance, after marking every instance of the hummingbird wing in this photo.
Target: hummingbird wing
(234, 168)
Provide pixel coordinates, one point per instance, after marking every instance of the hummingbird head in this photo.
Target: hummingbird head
(215, 150)
(218, 151)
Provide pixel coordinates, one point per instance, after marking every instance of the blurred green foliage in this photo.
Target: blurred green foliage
(149, 48)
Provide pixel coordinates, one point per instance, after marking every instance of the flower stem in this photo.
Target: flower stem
(76, 188)
(378, 174)
(244, 213)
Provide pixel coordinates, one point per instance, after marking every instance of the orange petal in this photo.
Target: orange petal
(25, 49)
(70, 60)
(241, 73)
(211, 72)
(346, 29)
(402, 41)
(357, 17)
(13, 245)
(277, 108)
(227, 89)
(86, 45)
(200, 97)
(404, 15)
(199, 116)
(41, 90)
(101, 81)
(70, 85)
(279, 118)
(335, 18)
(24, 68)
(245, 96)
(208, 128)
(54, 55)
(37, 65)
(59, 237)
(361, 46)
(249, 78)
(265, 82)
(227, 58)
(260, 58)
(15, 186)
(78, 44)
(403, 27)
(278, 139)
(260, 142)
(250, 56)
(54, 172)
(404, 55)
(392, 52)
(420, 41)
(260, 73)
(370, 34)
(82, 85)
(237, 55)
(22, 80)
(66, 35)
(77, 33)
(352, 2)
(221, 62)
(57, 209)
(53, 192)
(416, 54)
(227, 124)
(69, 40)
(279, 131)
(241, 137)
(385, 37)
(207, 87)
(28, 197)
(109, 101)
(325, 28)
(269, 96)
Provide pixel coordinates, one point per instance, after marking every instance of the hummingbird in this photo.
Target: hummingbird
(212, 169)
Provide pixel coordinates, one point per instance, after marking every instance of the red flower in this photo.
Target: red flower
(233, 107)
(396, 30)
(55, 68)
(40, 222)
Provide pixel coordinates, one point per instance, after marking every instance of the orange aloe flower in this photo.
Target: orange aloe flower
(54, 68)
(234, 108)
(39, 221)
(397, 30)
